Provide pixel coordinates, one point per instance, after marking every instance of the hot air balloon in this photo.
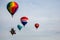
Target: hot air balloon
(19, 27)
(36, 25)
(12, 7)
(24, 20)
(12, 31)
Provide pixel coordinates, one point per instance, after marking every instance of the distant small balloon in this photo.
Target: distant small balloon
(12, 7)
(19, 27)
(12, 31)
(36, 25)
(24, 20)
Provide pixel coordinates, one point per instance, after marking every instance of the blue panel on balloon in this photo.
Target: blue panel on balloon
(24, 23)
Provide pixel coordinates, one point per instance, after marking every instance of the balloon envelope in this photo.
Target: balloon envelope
(36, 25)
(19, 27)
(12, 7)
(12, 31)
(24, 20)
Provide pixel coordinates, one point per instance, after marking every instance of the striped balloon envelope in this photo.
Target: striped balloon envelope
(12, 7)
(24, 20)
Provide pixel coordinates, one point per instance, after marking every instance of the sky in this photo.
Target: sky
(44, 12)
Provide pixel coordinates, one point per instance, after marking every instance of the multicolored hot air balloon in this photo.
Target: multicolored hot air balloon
(19, 27)
(36, 25)
(24, 20)
(12, 7)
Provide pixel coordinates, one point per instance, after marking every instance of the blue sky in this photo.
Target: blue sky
(45, 12)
